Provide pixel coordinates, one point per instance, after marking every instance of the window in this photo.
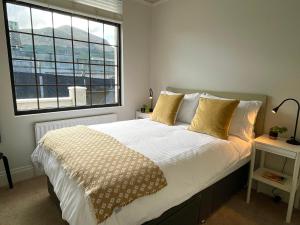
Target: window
(61, 61)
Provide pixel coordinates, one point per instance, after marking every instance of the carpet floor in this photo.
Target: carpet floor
(29, 204)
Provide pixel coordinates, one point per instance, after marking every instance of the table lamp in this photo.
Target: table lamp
(292, 140)
(151, 99)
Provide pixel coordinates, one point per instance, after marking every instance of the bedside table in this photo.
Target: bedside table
(278, 147)
(141, 115)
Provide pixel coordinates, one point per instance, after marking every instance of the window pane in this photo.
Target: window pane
(18, 18)
(51, 102)
(24, 72)
(48, 102)
(47, 97)
(42, 22)
(110, 35)
(98, 95)
(43, 48)
(82, 74)
(88, 96)
(81, 95)
(80, 29)
(65, 75)
(64, 97)
(21, 46)
(45, 73)
(62, 25)
(96, 52)
(111, 76)
(111, 55)
(81, 52)
(97, 75)
(63, 49)
(26, 97)
(112, 95)
(47, 91)
(96, 32)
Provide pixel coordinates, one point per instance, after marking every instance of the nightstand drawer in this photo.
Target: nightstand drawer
(275, 150)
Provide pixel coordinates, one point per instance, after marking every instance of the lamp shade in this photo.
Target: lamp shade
(275, 110)
(151, 99)
(150, 93)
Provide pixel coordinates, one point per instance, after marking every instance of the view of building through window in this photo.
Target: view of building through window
(62, 61)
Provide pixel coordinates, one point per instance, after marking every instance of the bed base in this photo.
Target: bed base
(198, 208)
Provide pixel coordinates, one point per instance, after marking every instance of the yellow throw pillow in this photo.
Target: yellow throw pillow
(213, 117)
(166, 108)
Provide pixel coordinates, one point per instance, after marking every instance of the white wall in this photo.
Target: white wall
(17, 131)
(245, 46)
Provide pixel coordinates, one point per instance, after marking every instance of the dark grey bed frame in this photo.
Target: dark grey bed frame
(197, 209)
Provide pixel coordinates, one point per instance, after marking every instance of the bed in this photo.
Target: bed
(202, 172)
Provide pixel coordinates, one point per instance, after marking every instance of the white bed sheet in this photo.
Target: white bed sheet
(190, 162)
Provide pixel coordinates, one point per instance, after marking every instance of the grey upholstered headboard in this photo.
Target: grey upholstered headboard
(260, 121)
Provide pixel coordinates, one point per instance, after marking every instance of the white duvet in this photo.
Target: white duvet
(190, 162)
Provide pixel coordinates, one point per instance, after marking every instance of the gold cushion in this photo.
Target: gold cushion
(213, 117)
(166, 108)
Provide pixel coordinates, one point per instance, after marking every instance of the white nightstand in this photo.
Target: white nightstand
(278, 147)
(140, 115)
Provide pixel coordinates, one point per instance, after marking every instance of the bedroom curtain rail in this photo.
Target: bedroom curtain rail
(103, 9)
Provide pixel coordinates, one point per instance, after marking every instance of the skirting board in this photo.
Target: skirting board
(18, 174)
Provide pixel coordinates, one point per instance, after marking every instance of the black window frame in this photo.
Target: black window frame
(57, 109)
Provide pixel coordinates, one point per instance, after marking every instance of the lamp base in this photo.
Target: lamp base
(293, 141)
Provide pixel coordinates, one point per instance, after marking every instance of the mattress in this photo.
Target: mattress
(190, 161)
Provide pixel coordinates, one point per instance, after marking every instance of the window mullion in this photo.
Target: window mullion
(73, 60)
(119, 65)
(41, 60)
(104, 63)
(55, 66)
(63, 38)
(34, 60)
(90, 67)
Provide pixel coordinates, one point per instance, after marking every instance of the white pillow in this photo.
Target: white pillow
(243, 118)
(188, 106)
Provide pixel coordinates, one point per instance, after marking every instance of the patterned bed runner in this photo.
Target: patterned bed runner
(111, 174)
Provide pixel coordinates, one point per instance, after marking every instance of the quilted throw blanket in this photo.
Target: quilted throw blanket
(111, 174)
